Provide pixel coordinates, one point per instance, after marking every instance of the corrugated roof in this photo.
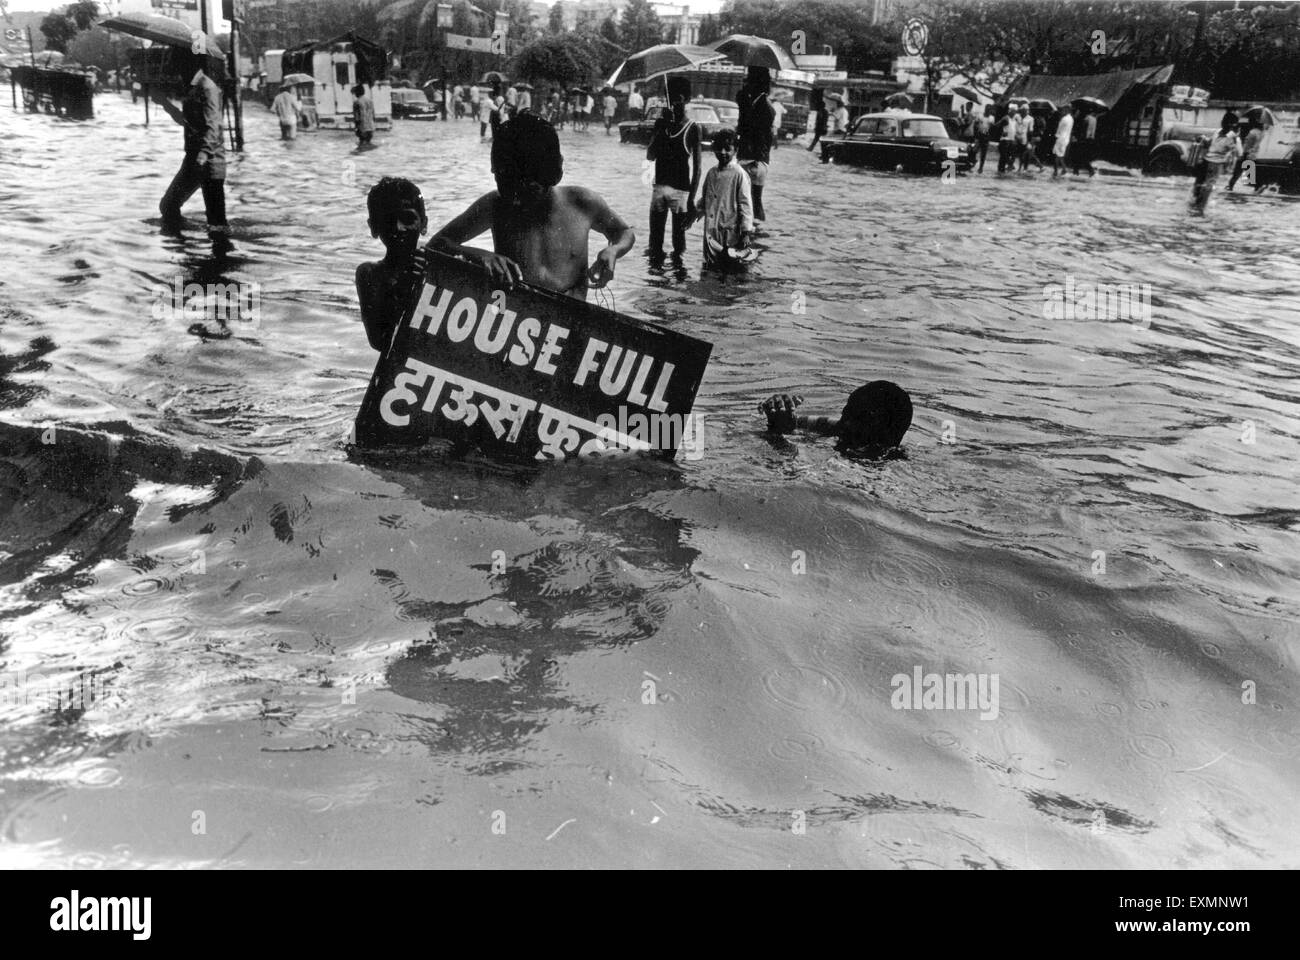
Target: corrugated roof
(1106, 87)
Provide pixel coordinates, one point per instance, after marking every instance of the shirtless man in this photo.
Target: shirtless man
(539, 230)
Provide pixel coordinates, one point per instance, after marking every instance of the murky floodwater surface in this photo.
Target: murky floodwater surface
(270, 653)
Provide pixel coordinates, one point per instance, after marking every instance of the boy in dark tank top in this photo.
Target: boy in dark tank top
(675, 150)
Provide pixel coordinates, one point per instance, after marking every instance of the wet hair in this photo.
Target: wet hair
(388, 193)
(358, 90)
(1229, 121)
(526, 147)
(724, 137)
(876, 416)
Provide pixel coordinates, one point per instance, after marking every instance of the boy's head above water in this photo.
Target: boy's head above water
(876, 415)
(724, 146)
(397, 214)
(526, 159)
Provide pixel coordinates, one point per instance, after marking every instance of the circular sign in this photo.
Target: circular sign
(915, 36)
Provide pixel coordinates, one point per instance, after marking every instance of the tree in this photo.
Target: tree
(640, 26)
(609, 30)
(846, 27)
(59, 31)
(99, 48)
(84, 13)
(555, 21)
(564, 59)
(710, 29)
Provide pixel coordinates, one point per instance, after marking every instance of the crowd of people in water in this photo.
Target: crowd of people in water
(540, 229)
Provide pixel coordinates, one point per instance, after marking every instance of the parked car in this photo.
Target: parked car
(728, 111)
(918, 142)
(412, 104)
(641, 131)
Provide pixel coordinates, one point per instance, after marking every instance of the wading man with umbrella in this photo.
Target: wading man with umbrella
(754, 126)
(204, 164)
(754, 133)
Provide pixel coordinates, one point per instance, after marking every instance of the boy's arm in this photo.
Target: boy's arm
(478, 219)
(620, 236)
(652, 151)
(744, 203)
(781, 418)
(369, 311)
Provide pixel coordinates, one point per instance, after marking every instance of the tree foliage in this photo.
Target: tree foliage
(843, 25)
(710, 29)
(1244, 53)
(565, 59)
(640, 26)
(555, 20)
(59, 30)
(98, 47)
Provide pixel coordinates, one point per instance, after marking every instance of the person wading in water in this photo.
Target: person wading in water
(754, 133)
(675, 150)
(204, 165)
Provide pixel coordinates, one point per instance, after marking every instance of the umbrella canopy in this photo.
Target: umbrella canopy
(1017, 101)
(664, 58)
(1042, 106)
(159, 29)
(293, 79)
(782, 94)
(1089, 103)
(1260, 115)
(966, 93)
(754, 52)
(524, 86)
(898, 100)
(492, 76)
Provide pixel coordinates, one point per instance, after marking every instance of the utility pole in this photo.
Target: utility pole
(231, 12)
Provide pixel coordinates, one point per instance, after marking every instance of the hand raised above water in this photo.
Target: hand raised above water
(779, 410)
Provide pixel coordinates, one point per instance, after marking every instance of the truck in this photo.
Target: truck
(336, 66)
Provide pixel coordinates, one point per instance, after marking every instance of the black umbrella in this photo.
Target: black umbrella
(493, 76)
(751, 51)
(661, 59)
(1086, 104)
(898, 100)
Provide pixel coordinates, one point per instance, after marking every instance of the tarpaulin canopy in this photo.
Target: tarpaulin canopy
(372, 59)
(1109, 88)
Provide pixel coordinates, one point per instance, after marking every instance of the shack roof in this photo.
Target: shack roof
(1109, 88)
(372, 59)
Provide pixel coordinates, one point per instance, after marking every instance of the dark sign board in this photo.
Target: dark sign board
(529, 373)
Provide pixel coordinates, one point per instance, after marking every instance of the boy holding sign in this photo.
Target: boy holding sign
(397, 218)
(539, 230)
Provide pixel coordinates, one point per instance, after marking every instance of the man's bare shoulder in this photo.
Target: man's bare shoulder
(583, 198)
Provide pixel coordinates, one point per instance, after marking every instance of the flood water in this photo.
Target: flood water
(297, 656)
